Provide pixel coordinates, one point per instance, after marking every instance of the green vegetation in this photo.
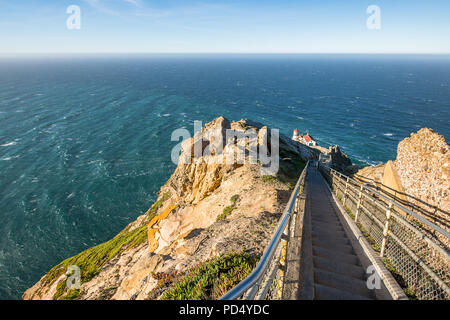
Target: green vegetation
(270, 178)
(93, 259)
(291, 166)
(225, 213)
(234, 199)
(369, 238)
(165, 280)
(151, 213)
(71, 295)
(60, 289)
(212, 278)
(227, 210)
(400, 280)
(350, 212)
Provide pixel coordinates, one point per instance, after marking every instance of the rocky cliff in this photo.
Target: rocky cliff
(423, 166)
(208, 208)
(420, 174)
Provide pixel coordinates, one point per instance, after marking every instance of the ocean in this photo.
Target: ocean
(85, 141)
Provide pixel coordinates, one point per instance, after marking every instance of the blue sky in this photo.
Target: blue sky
(244, 26)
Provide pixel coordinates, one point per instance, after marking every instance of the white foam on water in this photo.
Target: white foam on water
(9, 158)
(8, 144)
(388, 134)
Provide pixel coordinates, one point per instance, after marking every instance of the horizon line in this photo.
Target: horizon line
(230, 53)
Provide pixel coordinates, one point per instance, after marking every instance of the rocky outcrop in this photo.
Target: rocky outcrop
(340, 161)
(208, 207)
(423, 164)
(372, 173)
(419, 177)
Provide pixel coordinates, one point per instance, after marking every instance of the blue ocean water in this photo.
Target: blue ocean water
(85, 140)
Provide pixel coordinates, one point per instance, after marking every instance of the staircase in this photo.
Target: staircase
(337, 270)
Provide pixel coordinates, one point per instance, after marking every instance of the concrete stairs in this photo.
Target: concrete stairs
(337, 270)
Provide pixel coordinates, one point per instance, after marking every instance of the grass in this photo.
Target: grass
(400, 280)
(151, 213)
(71, 295)
(234, 199)
(212, 278)
(375, 246)
(93, 259)
(289, 170)
(350, 212)
(226, 212)
(270, 178)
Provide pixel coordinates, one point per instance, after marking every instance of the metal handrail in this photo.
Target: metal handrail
(427, 265)
(415, 215)
(254, 277)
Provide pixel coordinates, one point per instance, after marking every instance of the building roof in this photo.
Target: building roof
(308, 138)
(296, 131)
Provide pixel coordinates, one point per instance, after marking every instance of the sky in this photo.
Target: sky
(227, 26)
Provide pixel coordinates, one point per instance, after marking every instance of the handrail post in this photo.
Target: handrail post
(282, 262)
(386, 230)
(358, 206)
(345, 192)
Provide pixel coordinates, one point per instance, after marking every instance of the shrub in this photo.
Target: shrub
(225, 213)
(212, 278)
(234, 199)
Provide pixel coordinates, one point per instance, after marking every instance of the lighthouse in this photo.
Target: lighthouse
(295, 135)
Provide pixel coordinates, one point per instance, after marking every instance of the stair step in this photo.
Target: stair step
(337, 247)
(323, 228)
(342, 282)
(326, 222)
(335, 256)
(330, 237)
(325, 216)
(322, 292)
(321, 224)
(330, 265)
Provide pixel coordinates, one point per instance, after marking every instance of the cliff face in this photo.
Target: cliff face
(423, 164)
(207, 208)
(423, 167)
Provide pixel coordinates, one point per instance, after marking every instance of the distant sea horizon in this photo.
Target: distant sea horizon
(85, 140)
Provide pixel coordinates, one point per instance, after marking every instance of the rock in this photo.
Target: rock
(421, 171)
(422, 164)
(182, 225)
(339, 160)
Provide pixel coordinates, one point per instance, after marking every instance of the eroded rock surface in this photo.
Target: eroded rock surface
(182, 227)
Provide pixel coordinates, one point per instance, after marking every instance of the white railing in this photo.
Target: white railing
(413, 248)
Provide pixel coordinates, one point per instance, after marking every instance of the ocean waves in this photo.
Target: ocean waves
(91, 144)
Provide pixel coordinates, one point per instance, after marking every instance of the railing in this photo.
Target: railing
(431, 212)
(413, 248)
(266, 280)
